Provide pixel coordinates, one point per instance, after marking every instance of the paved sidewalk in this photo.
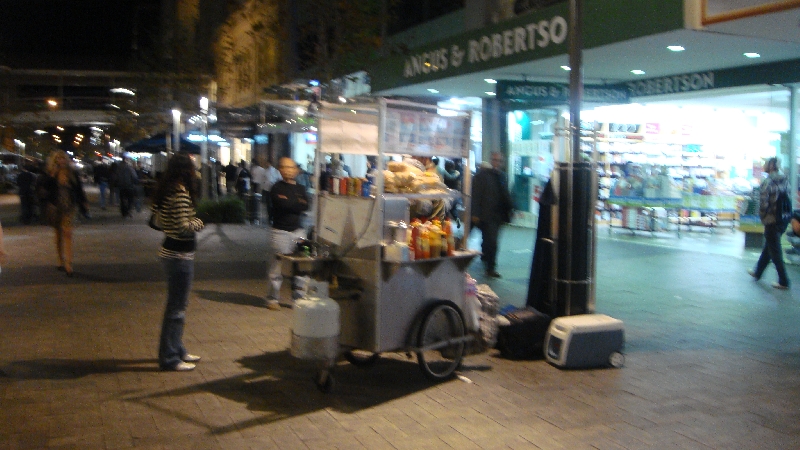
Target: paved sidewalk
(712, 357)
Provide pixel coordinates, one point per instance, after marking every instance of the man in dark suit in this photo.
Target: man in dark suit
(491, 208)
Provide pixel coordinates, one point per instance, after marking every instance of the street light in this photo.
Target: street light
(176, 130)
(204, 167)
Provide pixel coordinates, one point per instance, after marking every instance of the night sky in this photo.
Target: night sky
(75, 34)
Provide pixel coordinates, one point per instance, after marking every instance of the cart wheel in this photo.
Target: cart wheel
(442, 323)
(361, 358)
(616, 360)
(324, 381)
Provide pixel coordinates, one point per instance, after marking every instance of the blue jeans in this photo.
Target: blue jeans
(103, 185)
(180, 273)
(772, 252)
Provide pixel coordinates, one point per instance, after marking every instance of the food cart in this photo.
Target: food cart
(387, 301)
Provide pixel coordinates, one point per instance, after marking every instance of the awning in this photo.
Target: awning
(158, 143)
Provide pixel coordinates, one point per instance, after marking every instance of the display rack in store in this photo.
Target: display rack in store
(642, 184)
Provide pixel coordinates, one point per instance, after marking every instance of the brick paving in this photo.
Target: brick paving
(712, 357)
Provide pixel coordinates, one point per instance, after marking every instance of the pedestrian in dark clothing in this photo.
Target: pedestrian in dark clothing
(242, 179)
(102, 176)
(491, 208)
(289, 201)
(230, 177)
(26, 184)
(113, 188)
(126, 182)
(772, 188)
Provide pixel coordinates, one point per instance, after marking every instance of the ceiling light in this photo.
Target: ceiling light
(567, 68)
(122, 91)
(40, 132)
(637, 72)
(490, 93)
(433, 91)
(490, 81)
(752, 55)
(675, 48)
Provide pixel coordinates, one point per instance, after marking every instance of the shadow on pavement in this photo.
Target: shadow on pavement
(130, 273)
(234, 298)
(67, 369)
(281, 386)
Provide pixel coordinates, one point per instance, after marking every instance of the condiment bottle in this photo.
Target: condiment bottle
(450, 239)
(343, 186)
(413, 243)
(425, 243)
(435, 242)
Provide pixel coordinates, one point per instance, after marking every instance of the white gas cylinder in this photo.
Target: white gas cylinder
(315, 324)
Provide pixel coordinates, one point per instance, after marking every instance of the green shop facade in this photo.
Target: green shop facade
(699, 119)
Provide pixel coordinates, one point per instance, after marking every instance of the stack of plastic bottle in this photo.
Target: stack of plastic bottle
(431, 239)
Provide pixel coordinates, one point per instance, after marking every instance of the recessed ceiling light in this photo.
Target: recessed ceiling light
(433, 91)
(490, 93)
(752, 55)
(567, 68)
(676, 48)
(637, 72)
(490, 81)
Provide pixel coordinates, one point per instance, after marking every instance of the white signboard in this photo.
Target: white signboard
(426, 134)
(350, 132)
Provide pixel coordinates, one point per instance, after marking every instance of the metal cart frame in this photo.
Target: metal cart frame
(410, 306)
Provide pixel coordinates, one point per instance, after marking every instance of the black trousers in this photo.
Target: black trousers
(490, 232)
(26, 205)
(772, 252)
(126, 199)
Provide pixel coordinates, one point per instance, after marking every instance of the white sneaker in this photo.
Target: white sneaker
(183, 367)
(189, 358)
(273, 304)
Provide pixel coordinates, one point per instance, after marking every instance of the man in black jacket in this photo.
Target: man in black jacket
(491, 208)
(289, 203)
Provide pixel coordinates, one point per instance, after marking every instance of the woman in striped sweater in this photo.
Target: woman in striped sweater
(174, 198)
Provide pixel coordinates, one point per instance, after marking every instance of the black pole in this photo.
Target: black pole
(575, 74)
(575, 207)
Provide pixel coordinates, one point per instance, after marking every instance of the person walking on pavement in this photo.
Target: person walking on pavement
(242, 179)
(126, 182)
(258, 177)
(491, 208)
(273, 176)
(174, 199)
(230, 177)
(772, 188)
(113, 189)
(26, 188)
(289, 202)
(64, 195)
(102, 176)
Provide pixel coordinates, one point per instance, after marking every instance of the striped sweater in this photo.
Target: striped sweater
(180, 223)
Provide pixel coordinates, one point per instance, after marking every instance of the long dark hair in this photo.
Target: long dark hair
(180, 170)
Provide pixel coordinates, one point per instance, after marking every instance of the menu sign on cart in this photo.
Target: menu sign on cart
(426, 134)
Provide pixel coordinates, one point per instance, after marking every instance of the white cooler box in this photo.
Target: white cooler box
(585, 340)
